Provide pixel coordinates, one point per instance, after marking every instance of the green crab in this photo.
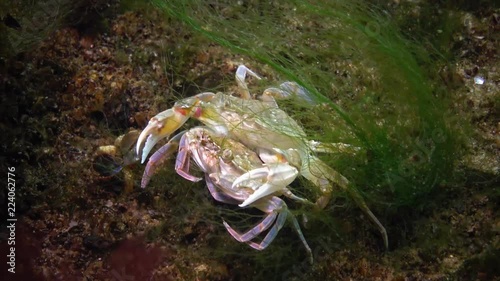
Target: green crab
(262, 126)
(223, 161)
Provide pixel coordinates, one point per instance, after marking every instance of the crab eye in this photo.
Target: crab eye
(227, 155)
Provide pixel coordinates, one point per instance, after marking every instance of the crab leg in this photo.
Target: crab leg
(274, 208)
(254, 231)
(241, 74)
(301, 236)
(217, 195)
(323, 176)
(288, 193)
(277, 213)
(280, 221)
(334, 147)
(183, 160)
(160, 156)
(285, 91)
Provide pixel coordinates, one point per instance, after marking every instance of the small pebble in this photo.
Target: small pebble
(478, 80)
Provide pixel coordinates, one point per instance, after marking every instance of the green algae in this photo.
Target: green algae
(378, 84)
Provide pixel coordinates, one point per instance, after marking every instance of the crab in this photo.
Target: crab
(223, 161)
(262, 126)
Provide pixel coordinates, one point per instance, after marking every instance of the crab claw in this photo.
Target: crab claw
(159, 127)
(276, 176)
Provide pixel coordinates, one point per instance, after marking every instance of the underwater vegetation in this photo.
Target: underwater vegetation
(353, 61)
(376, 84)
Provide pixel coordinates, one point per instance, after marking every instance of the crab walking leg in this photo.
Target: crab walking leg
(334, 147)
(301, 236)
(160, 156)
(218, 195)
(292, 196)
(285, 91)
(241, 74)
(323, 176)
(272, 207)
(156, 160)
(276, 228)
(254, 231)
(280, 222)
(183, 160)
(277, 205)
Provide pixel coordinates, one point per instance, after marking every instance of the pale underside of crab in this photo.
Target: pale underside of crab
(223, 161)
(267, 130)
